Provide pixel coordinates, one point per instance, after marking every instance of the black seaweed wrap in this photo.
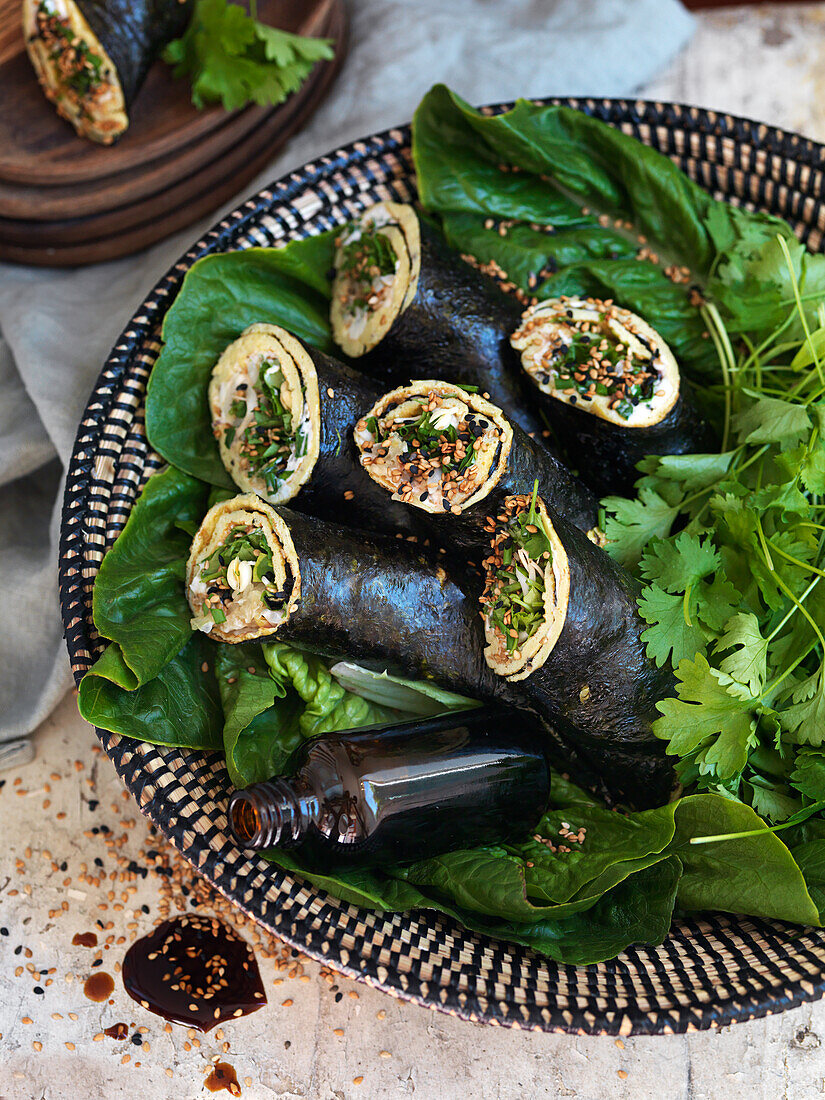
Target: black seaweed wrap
(457, 329)
(605, 454)
(338, 468)
(598, 679)
(134, 32)
(382, 603)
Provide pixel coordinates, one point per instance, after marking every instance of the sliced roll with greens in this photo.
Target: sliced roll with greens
(562, 626)
(579, 671)
(242, 576)
(92, 56)
(405, 304)
(455, 456)
(612, 388)
(282, 415)
(263, 398)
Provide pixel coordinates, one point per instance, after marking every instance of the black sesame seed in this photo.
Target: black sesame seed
(38, 990)
(137, 1039)
(339, 997)
(18, 949)
(64, 866)
(93, 804)
(98, 962)
(4, 931)
(98, 861)
(144, 908)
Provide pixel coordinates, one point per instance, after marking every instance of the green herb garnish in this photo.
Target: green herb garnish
(425, 439)
(363, 260)
(596, 364)
(245, 545)
(232, 58)
(514, 591)
(732, 549)
(269, 442)
(80, 68)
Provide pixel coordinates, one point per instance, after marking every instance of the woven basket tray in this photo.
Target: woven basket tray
(710, 971)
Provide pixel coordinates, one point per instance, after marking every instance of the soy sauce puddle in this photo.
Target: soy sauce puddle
(223, 1076)
(195, 971)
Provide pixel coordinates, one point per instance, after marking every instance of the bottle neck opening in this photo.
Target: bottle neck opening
(271, 814)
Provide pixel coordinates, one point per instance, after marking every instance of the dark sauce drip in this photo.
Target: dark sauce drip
(84, 939)
(117, 1031)
(222, 1077)
(99, 987)
(195, 971)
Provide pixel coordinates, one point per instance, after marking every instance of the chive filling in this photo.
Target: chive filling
(429, 456)
(75, 63)
(268, 442)
(585, 358)
(243, 560)
(367, 260)
(513, 598)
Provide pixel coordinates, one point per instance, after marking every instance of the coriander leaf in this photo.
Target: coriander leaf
(804, 722)
(713, 713)
(692, 472)
(808, 775)
(748, 662)
(679, 563)
(813, 466)
(716, 601)
(631, 524)
(773, 801)
(232, 58)
(771, 420)
(670, 632)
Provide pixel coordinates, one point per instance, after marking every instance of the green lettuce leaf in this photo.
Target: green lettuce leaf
(139, 598)
(180, 706)
(222, 295)
(756, 875)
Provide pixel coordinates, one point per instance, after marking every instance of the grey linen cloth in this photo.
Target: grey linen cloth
(56, 327)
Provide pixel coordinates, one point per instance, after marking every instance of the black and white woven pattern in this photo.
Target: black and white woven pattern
(710, 971)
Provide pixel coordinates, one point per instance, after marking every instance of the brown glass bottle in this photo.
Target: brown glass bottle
(394, 794)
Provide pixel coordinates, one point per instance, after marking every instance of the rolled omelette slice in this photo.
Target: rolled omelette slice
(406, 305)
(242, 576)
(264, 404)
(448, 452)
(611, 388)
(434, 445)
(92, 56)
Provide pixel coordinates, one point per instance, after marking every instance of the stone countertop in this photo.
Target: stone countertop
(74, 859)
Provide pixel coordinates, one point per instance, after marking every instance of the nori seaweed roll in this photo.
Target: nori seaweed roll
(283, 415)
(406, 305)
(455, 456)
(242, 578)
(610, 387)
(577, 664)
(92, 56)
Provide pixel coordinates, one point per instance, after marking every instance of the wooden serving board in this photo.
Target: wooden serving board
(39, 149)
(214, 183)
(127, 229)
